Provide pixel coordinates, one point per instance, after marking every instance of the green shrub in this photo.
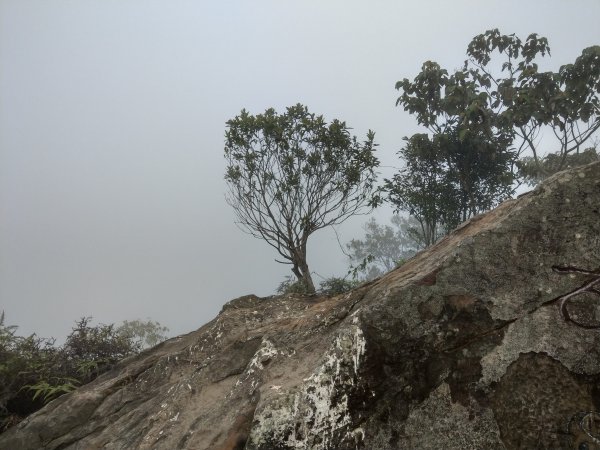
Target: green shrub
(24, 362)
(292, 286)
(92, 350)
(335, 286)
(34, 371)
(329, 286)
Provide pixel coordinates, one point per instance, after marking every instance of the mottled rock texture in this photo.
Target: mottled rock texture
(473, 344)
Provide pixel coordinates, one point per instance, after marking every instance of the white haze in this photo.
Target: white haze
(112, 117)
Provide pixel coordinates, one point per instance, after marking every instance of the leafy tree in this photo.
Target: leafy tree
(480, 172)
(565, 104)
(421, 188)
(454, 103)
(447, 179)
(465, 166)
(483, 118)
(384, 247)
(292, 174)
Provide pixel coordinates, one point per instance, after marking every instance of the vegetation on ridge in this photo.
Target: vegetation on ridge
(34, 371)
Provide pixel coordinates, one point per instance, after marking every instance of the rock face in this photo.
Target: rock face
(484, 341)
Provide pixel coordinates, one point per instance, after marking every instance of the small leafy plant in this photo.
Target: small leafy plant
(49, 391)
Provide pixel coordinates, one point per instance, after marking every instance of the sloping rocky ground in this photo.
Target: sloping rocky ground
(484, 341)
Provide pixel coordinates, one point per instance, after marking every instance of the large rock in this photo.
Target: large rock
(484, 341)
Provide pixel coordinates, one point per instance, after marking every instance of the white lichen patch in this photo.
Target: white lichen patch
(317, 415)
(360, 345)
(251, 375)
(543, 331)
(265, 352)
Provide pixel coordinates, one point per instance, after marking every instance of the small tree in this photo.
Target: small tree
(384, 247)
(145, 334)
(421, 188)
(292, 174)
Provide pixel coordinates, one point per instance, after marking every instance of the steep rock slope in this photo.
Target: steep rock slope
(484, 341)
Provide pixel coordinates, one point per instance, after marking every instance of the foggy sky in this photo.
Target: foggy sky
(112, 121)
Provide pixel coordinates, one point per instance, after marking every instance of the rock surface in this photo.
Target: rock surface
(484, 341)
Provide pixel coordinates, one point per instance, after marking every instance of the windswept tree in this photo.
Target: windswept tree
(292, 174)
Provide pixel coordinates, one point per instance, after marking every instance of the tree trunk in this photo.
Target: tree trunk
(307, 279)
(301, 270)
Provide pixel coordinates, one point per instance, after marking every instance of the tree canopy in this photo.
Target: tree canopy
(292, 174)
(563, 106)
(485, 121)
(464, 166)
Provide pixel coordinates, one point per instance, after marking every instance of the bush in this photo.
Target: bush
(292, 286)
(92, 350)
(335, 286)
(33, 371)
(24, 362)
(329, 286)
